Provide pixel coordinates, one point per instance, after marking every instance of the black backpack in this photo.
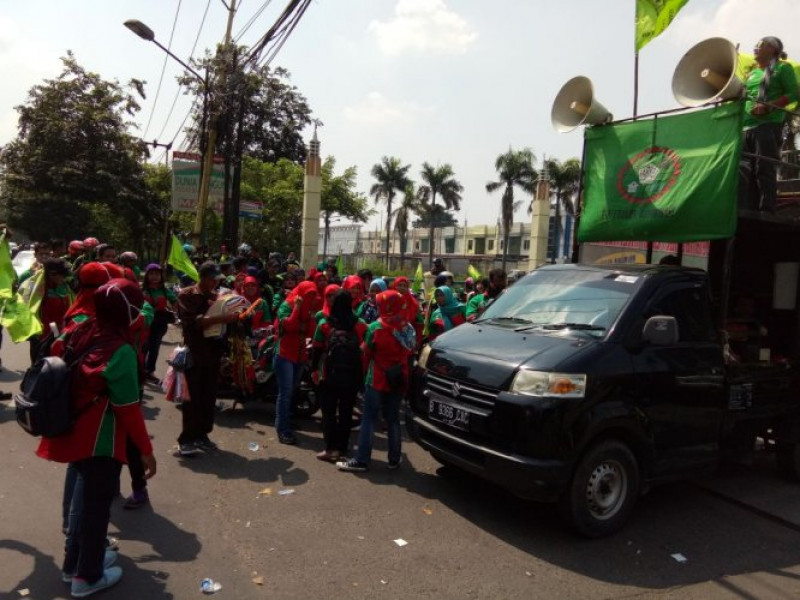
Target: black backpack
(44, 403)
(343, 359)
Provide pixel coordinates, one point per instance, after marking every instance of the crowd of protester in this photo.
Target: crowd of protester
(357, 334)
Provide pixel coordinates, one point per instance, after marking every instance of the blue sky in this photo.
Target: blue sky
(456, 81)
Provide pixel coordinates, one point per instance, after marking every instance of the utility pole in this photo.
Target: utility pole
(165, 216)
(208, 159)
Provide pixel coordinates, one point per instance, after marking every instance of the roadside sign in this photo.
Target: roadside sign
(186, 183)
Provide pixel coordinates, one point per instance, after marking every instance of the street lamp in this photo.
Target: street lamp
(147, 34)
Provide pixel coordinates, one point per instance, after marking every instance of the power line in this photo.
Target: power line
(279, 44)
(163, 68)
(252, 20)
(178, 92)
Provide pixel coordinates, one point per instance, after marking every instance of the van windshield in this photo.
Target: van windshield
(563, 299)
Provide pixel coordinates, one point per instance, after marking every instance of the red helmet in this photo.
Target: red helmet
(75, 247)
(91, 243)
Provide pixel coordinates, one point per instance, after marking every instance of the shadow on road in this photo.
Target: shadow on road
(229, 465)
(170, 543)
(718, 539)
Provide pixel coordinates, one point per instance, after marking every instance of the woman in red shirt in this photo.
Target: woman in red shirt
(294, 323)
(388, 347)
(105, 390)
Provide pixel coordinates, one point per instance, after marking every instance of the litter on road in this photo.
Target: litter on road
(679, 557)
(401, 542)
(286, 492)
(258, 580)
(209, 586)
(265, 492)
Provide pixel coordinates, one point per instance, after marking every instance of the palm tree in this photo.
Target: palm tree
(564, 182)
(402, 218)
(392, 177)
(514, 169)
(439, 181)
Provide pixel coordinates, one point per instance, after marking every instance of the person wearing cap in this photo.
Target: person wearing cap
(769, 87)
(202, 376)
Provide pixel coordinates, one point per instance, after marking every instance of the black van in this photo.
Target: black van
(583, 384)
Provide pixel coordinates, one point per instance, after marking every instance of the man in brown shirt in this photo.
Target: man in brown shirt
(203, 376)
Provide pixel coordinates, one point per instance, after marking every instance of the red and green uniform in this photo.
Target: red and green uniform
(159, 298)
(294, 325)
(55, 304)
(106, 379)
(323, 334)
(259, 315)
(383, 351)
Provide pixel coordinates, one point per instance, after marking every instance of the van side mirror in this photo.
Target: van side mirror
(661, 331)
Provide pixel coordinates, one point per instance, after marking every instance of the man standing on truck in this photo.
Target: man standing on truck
(769, 87)
(478, 303)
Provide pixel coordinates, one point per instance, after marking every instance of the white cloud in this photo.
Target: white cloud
(377, 110)
(737, 21)
(423, 26)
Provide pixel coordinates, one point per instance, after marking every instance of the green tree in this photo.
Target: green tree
(564, 182)
(73, 169)
(391, 177)
(439, 181)
(440, 216)
(402, 218)
(279, 186)
(514, 169)
(339, 197)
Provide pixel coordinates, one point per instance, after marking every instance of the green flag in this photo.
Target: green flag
(670, 179)
(473, 272)
(419, 276)
(653, 17)
(181, 261)
(15, 315)
(340, 264)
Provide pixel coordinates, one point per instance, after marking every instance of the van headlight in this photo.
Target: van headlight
(541, 383)
(423, 356)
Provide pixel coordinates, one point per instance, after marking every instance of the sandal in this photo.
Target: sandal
(326, 456)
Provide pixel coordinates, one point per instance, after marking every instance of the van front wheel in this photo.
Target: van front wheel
(603, 490)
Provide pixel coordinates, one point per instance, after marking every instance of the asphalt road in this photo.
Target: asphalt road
(221, 516)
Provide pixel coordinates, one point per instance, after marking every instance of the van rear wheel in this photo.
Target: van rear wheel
(603, 490)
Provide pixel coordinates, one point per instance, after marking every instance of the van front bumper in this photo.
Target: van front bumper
(530, 478)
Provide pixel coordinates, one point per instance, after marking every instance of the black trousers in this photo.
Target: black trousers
(135, 466)
(757, 182)
(100, 482)
(337, 415)
(198, 412)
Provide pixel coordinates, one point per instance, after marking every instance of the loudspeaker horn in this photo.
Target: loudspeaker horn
(575, 105)
(707, 73)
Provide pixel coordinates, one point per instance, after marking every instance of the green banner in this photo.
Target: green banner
(653, 17)
(667, 179)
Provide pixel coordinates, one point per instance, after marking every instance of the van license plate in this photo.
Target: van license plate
(448, 414)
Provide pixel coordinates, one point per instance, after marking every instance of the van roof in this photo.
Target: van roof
(638, 269)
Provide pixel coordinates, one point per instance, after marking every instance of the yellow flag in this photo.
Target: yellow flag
(15, 315)
(653, 17)
(181, 261)
(418, 278)
(473, 272)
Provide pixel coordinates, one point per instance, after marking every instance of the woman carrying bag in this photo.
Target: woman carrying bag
(337, 366)
(388, 347)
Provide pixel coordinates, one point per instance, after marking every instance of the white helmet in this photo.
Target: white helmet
(244, 249)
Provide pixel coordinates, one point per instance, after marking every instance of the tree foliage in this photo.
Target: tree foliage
(402, 217)
(391, 177)
(273, 111)
(73, 169)
(439, 181)
(514, 170)
(440, 216)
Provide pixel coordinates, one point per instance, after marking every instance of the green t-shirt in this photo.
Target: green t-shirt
(782, 83)
(475, 306)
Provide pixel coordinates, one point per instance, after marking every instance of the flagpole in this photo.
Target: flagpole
(635, 84)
